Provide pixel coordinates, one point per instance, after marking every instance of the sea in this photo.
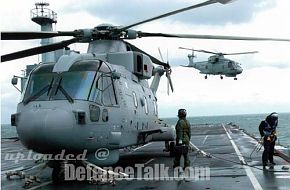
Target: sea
(248, 122)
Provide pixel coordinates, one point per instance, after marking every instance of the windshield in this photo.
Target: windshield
(38, 86)
(76, 84)
(91, 81)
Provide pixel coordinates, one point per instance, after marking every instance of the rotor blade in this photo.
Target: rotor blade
(191, 49)
(177, 11)
(167, 86)
(170, 82)
(167, 59)
(249, 52)
(219, 53)
(153, 59)
(160, 54)
(214, 37)
(33, 35)
(199, 50)
(37, 50)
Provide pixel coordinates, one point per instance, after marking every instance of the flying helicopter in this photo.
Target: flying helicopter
(99, 101)
(216, 64)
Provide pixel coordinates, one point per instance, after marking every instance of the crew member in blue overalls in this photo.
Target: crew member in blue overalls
(267, 130)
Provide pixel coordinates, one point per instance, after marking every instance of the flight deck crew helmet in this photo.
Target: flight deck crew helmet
(182, 113)
(274, 116)
(272, 119)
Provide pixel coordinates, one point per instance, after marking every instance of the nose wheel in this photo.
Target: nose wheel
(205, 77)
(221, 77)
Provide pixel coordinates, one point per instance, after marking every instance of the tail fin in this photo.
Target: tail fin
(190, 60)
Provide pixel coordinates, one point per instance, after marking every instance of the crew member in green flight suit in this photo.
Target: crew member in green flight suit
(183, 135)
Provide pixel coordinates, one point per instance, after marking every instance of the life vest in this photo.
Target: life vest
(268, 129)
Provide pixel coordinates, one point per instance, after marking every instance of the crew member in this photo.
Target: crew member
(267, 130)
(183, 135)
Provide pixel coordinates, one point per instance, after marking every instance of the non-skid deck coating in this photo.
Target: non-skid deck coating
(228, 146)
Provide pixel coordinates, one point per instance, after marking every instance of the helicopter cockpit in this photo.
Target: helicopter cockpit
(231, 65)
(75, 84)
(235, 66)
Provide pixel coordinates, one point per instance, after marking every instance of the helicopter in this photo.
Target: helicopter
(99, 101)
(216, 64)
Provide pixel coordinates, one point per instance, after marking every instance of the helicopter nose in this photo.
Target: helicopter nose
(239, 70)
(45, 130)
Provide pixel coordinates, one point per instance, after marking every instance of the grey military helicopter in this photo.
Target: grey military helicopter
(216, 64)
(99, 101)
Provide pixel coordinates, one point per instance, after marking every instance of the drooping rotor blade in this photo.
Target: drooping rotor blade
(153, 59)
(176, 11)
(156, 61)
(37, 50)
(34, 35)
(214, 37)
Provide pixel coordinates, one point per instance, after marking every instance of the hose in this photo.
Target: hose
(258, 147)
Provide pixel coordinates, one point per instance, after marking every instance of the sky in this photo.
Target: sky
(261, 88)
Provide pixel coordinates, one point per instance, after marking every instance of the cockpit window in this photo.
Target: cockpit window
(38, 86)
(77, 84)
(109, 97)
(230, 64)
(103, 91)
(84, 81)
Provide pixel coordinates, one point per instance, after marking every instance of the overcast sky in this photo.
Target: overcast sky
(262, 87)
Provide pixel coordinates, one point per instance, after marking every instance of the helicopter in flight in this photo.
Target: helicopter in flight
(216, 64)
(99, 101)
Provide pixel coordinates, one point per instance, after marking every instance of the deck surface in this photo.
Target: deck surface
(228, 146)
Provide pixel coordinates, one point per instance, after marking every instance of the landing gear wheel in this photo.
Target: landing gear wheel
(205, 77)
(222, 77)
(57, 175)
(235, 78)
(171, 149)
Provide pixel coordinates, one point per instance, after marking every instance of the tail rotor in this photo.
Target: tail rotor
(168, 72)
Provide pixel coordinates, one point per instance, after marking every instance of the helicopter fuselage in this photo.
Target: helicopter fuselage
(83, 102)
(217, 65)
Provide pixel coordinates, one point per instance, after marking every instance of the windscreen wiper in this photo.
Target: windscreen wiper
(66, 95)
(36, 95)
